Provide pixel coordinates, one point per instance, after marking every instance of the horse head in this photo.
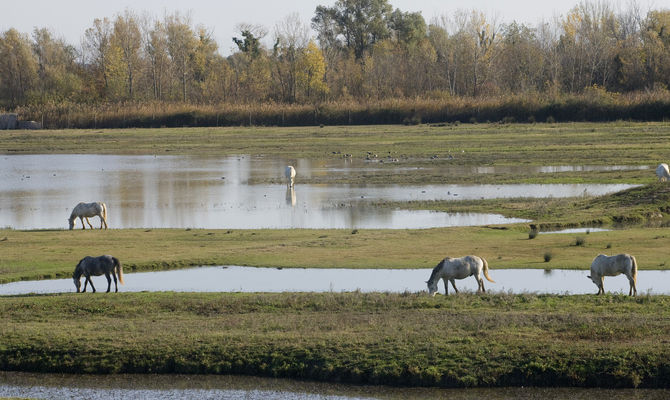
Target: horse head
(71, 221)
(432, 287)
(76, 276)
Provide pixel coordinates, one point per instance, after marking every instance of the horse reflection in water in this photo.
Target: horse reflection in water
(290, 196)
(603, 266)
(450, 269)
(97, 266)
(87, 210)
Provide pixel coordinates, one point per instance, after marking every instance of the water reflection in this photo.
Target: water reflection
(250, 279)
(149, 387)
(577, 230)
(290, 196)
(39, 191)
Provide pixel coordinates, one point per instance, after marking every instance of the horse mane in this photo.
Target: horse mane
(436, 270)
(77, 270)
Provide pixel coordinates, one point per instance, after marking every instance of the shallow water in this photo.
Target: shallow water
(94, 387)
(251, 279)
(39, 191)
(577, 230)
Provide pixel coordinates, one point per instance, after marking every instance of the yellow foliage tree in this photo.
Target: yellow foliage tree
(312, 71)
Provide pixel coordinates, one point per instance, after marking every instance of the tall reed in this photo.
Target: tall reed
(593, 105)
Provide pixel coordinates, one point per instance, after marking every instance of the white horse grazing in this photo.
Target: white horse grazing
(603, 266)
(289, 172)
(87, 210)
(662, 172)
(458, 268)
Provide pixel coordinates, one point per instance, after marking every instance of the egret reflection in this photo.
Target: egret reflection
(290, 196)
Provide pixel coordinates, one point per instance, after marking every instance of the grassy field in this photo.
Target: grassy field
(396, 339)
(426, 150)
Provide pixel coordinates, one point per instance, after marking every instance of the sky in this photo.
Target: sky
(68, 19)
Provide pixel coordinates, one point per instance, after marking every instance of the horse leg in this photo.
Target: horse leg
(102, 221)
(109, 281)
(481, 284)
(89, 223)
(601, 287)
(88, 277)
(632, 289)
(446, 287)
(116, 286)
(453, 284)
(83, 226)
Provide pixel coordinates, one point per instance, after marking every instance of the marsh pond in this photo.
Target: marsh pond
(240, 192)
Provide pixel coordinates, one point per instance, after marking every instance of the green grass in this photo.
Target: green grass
(396, 339)
(53, 254)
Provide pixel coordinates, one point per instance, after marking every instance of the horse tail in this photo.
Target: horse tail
(486, 271)
(119, 269)
(634, 269)
(104, 211)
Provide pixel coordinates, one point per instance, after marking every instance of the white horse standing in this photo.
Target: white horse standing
(87, 210)
(458, 268)
(662, 172)
(603, 266)
(289, 172)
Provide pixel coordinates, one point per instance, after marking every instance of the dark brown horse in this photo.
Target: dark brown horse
(97, 266)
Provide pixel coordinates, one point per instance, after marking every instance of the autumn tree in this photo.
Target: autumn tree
(181, 44)
(291, 37)
(158, 59)
(98, 47)
(354, 24)
(18, 68)
(204, 60)
(311, 72)
(57, 68)
(520, 58)
(127, 39)
(657, 48)
(251, 65)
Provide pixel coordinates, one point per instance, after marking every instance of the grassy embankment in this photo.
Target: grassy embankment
(53, 254)
(395, 339)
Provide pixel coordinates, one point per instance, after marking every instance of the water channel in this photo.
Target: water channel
(251, 279)
(205, 387)
(39, 192)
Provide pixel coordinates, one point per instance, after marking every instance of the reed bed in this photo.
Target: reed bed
(593, 105)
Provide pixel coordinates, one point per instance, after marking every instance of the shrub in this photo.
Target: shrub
(580, 241)
(548, 256)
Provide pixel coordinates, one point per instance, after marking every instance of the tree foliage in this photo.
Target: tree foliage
(362, 50)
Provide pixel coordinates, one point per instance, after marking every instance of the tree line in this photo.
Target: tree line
(360, 51)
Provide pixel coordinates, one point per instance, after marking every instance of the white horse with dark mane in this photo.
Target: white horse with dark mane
(662, 172)
(450, 269)
(289, 172)
(603, 266)
(87, 210)
(97, 266)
